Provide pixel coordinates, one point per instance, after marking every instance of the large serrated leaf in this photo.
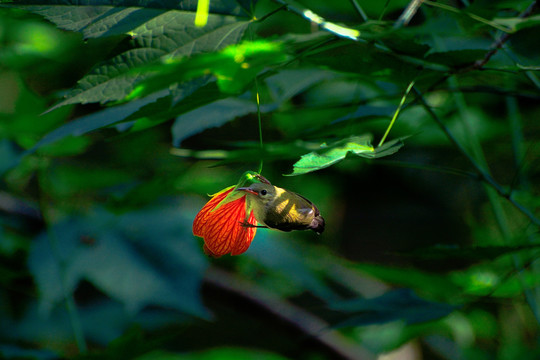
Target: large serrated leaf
(153, 33)
(110, 81)
(225, 7)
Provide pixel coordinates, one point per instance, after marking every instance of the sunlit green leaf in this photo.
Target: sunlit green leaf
(333, 153)
(234, 68)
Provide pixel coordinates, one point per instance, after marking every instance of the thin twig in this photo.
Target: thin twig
(500, 42)
(408, 13)
(359, 10)
(304, 321)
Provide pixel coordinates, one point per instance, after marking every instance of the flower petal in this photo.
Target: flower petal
(202, 217)
(245, 237)
(222, 225)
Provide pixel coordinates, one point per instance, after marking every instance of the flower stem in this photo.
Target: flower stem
(411, 84)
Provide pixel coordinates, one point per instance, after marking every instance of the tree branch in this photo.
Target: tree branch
(304, 321)
(500, 42)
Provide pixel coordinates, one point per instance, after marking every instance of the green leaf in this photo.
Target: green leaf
(437, 286)
(470, 253)
(211, 115)
(334, 153)
(290, 268)
(456, 57)
(290, 82)
(397, 305)
(16, 352)
(110, 81)
(140, 258)
(226, 7)
(95, 121)
(161, 35)
(223, 353)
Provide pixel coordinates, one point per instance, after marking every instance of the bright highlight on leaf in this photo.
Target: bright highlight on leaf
(334, 153)
(341, 30)
(201, 16)
(332, 27)
(234, 68)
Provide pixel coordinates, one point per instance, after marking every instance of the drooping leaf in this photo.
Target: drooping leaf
(334, 153)
(471, 253)
(438, 286)
(98, 120)
(397, 305)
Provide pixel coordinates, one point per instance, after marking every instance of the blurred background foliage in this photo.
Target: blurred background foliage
(118, 117)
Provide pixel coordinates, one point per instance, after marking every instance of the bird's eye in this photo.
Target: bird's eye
(264, 192)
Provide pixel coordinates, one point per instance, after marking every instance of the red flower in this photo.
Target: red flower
(222, 227)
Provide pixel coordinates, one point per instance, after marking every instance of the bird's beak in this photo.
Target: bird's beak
(246, 189)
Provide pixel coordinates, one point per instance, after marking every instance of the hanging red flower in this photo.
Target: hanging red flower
(222, 224)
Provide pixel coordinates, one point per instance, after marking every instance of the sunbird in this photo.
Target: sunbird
(277, 208)
(228, 222)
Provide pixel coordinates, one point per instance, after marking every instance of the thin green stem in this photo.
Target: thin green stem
(264, 17)
(502, 222)
(411, 84)
(470, 133)
(483, 174)
(359, 10)
(261, 144)
(385, 7)
(408, 14)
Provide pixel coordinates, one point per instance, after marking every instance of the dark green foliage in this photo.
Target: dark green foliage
(119, 117)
